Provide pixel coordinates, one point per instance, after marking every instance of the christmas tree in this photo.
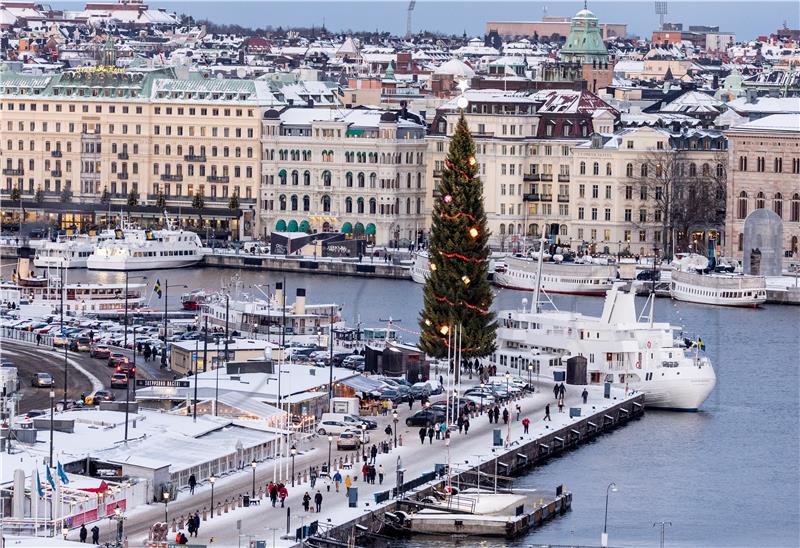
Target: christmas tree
(457, 291)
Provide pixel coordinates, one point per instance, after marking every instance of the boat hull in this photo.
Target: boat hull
(131, 263)
(59, 262)
(594, 290)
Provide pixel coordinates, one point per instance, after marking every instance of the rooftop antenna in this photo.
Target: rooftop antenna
(661, 11)
(411, 6)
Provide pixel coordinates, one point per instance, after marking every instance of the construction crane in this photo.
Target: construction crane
(408, 20)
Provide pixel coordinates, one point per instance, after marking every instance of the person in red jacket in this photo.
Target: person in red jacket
(283, 493)
(525, 424)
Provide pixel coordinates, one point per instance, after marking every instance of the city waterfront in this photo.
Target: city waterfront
(710, 473)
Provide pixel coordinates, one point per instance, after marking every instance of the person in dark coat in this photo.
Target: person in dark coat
(547, 413)
(373, 453)
(306, 501)
(497, 414)
(585, 395)
(190, 526)
(84, 533)
(556, 390)
(562, 391)
(95, 535)
(505, 415)
(466, 426)
(196, 520)
(422, 433)
(192, 484)
(318, 500)
(273, 493)
(460, 423)
(430, 434)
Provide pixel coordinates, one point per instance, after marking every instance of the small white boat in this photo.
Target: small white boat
(564, 278)
(718, 289)
(68, 251)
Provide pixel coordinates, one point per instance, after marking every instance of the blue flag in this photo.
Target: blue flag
(61, 475)
(50, 478)
(39, 485)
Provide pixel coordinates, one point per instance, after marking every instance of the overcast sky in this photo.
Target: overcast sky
(746, 19)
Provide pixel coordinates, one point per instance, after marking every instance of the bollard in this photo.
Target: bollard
(205, 513)
(260, 491)
(305, 476)
(225, 506)
(400, 440)
(219, 509)
(174, 526)
(238, 501)
(181, 522)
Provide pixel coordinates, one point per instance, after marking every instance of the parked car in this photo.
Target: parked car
(42, 380)
(395, 396)
(333, 427)
(99, 350)
(350, 440)
(119, 380)
(426, 417)
(116, 359)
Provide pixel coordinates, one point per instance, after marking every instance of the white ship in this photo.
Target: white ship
(421, 268)
(565, 278)
(78, 298)
(137, 249)
(718, 289)
(618, 348)
(68, 251)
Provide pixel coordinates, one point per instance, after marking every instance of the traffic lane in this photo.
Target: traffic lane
(31, 360)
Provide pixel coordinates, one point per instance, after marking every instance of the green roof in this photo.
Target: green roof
(585, 41)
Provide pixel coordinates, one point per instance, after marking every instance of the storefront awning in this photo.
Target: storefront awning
(362, 384)
(292, 226)
(358, 229)
(304, 226)
(370, 229)
(347, 228)
(280, 226)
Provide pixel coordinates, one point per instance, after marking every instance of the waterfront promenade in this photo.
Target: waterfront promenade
(260, 522)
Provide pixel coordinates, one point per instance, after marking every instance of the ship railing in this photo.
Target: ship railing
(463, 504)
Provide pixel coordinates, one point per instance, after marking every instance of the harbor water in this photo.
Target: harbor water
(724, 476)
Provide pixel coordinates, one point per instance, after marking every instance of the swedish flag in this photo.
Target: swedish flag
(157, 288)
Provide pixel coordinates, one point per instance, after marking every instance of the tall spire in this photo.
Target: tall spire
(109, 58)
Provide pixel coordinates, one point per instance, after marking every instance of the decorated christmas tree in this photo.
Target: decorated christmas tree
(457, 291)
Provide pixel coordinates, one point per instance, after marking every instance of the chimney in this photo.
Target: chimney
(279, 293)
(300, 301)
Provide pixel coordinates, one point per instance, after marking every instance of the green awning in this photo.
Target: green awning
(282, 173)
(347, 228)
(370, 229)
(280, 226)
(358, 229)
(354, 132)
(304, 226)
(292, 226)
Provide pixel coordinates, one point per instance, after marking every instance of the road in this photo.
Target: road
(258, 521)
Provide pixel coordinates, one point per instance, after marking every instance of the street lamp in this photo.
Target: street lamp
(165, 496)
(330, 441)
(530, 370)
(166, 296)
(120, 519)
(212, 480)
(482, 387)
(394, 418)
(253, 466)
(127, 279)
(363, 433)
(612, 487)
(508, 392)
(294, 452)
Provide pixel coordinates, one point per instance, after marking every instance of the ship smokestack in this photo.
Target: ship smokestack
(300, 301)
(279, 293)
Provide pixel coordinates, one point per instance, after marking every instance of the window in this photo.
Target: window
(742, 206)
(777, 204)
(595, 168)
(628, 215)
(607, 214)
(794, 214)
(582, 168)
(608, 169)
(594, 213)
(760, 200)
(628, 192)
(742, 163)
(595, 191)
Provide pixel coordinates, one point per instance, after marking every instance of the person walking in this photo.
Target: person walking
(430, 435)
(192, 484)
(505, 415)
(497, 414)
(381, 472)
(422, 433)
(373, 453)
(519, 410)
(556, 391)
(283, 493)
(561, 405)
(466, 425)
(491, 415)
(196, 523)
(437, 430)
(585, 395)
(348, 483)
(364, 470)
(460, 423)
(318, 501)
(190, 525)
(525, 424)
(306, 501)
(337, 480)
(273, 493)
(410, 403)
(443, 428)
(547, 413)
(84, 533)
(388, 430)
(562, 391)
(95, 535)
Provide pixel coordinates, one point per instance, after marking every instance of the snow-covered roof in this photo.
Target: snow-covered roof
(766, 105)
(457, 68)
(693, 101)
(783, 123)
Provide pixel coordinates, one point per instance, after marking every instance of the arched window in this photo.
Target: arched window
(282, 176)
(510, 229)
(326, 178)
(348, 205)
(307, 178)
(595, 168)
(306, 203)
(295, 178)
(373, 179)
(282, 202)
(408, 180)
(777, 204)
(794, 214)
(326, 203)
(742, 206)
(629, 170)
(720, 171)
(608, 169)
(643, 170)
(373, 206)
(502, 229)
(360, 205)
(706, 170)
(692, 170)
(348, 178)
(408, 206)
(360, 180)
(293, 201)
(581, 170)
(760, 200)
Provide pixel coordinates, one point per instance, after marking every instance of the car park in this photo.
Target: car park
(42, 380)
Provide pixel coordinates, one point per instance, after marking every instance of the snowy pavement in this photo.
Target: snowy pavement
(261, 522)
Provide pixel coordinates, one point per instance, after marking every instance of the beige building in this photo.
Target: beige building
(764, 159)
(360, 171)
(186, 355)
(548, 26)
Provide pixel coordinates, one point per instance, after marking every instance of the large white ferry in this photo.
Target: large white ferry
(78, 298)
(565, 278)
(69, 251)
(138, 249)
(421, 268)
(718, 289)
(618, 348)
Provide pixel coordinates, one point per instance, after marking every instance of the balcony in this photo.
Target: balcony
(172, 178)
(530, 197)
(55, 173)
(563, 178)
(218, 179)
(563, 198)
(437, 172)
(122, 175)
(437, 193)
(194, 158)
(529, 177)
(13, 172)
(546, 197)
(55, 153)
(547, 177)
(122, 156)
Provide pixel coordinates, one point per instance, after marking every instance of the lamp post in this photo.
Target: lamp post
(166, 297)
(52, 406)
(127, 279)
(253, 466)
(612, 487)
(294, 452)
(212, 480)
(530, 370)
(482, 387)
(165, 495)
(330, 442)
(394, 419)
(662, 524)
(363, 433)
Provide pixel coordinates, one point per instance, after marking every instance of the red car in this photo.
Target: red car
(126, 369)
(116, 359)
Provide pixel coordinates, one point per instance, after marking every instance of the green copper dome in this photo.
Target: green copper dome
(585, 41)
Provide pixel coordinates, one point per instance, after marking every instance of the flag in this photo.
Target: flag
(157, 288)
(50, 478)
(61, 475)
(39, 485)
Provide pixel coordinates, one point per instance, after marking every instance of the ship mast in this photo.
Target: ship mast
(536, 290)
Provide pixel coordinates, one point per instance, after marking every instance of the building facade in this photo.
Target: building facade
(764, 159)
(360, 171)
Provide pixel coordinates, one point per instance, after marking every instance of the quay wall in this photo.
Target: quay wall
(514, 460)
